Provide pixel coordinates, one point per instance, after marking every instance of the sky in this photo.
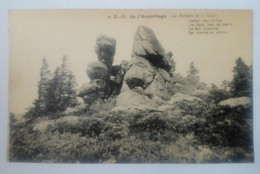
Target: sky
(51, 34)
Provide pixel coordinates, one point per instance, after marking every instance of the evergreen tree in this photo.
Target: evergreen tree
(43, 85)
(61, 92)
(193, 70)
(241, 85)
(193, 74)
(68, 84)
(54, 93)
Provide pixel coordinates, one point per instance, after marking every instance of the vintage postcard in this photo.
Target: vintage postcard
(130, 86)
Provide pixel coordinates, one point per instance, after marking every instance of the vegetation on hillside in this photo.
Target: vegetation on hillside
(199, 131)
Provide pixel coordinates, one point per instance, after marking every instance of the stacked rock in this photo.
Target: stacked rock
(106, 80)
(148, 71)
(99, 71)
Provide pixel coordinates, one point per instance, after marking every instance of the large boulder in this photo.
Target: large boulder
(92, 91)
(146, 45)
(143, 78)
(158, 87)
(97, 70)
(93, 86)
(235, 102)
(130, 100)
(141, 73)
(105, 50)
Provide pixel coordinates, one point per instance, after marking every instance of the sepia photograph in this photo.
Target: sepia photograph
(130, 86)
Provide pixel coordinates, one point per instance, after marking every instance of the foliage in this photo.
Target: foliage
(43, 86)
(229, 127)
(241, 85)
(118, 137)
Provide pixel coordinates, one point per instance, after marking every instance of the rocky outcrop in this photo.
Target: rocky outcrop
(145, 77)
(148, 72)
(235, 102)
(106, 80)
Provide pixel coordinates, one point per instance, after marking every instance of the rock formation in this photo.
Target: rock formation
(138, 82)
(148, 72)
(106, 80)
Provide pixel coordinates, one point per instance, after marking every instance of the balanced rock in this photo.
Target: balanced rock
(105, 50)
(146, 45)
(97, 70)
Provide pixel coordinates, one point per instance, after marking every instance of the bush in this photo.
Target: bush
(188, 132)
(228, 127)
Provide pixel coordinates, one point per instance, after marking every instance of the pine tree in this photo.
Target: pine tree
(54, 93)
(193, 70)
(71, 99)
(241, 85)
(43, 85)
(193, 74)
(68, 83)
(61, 92)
